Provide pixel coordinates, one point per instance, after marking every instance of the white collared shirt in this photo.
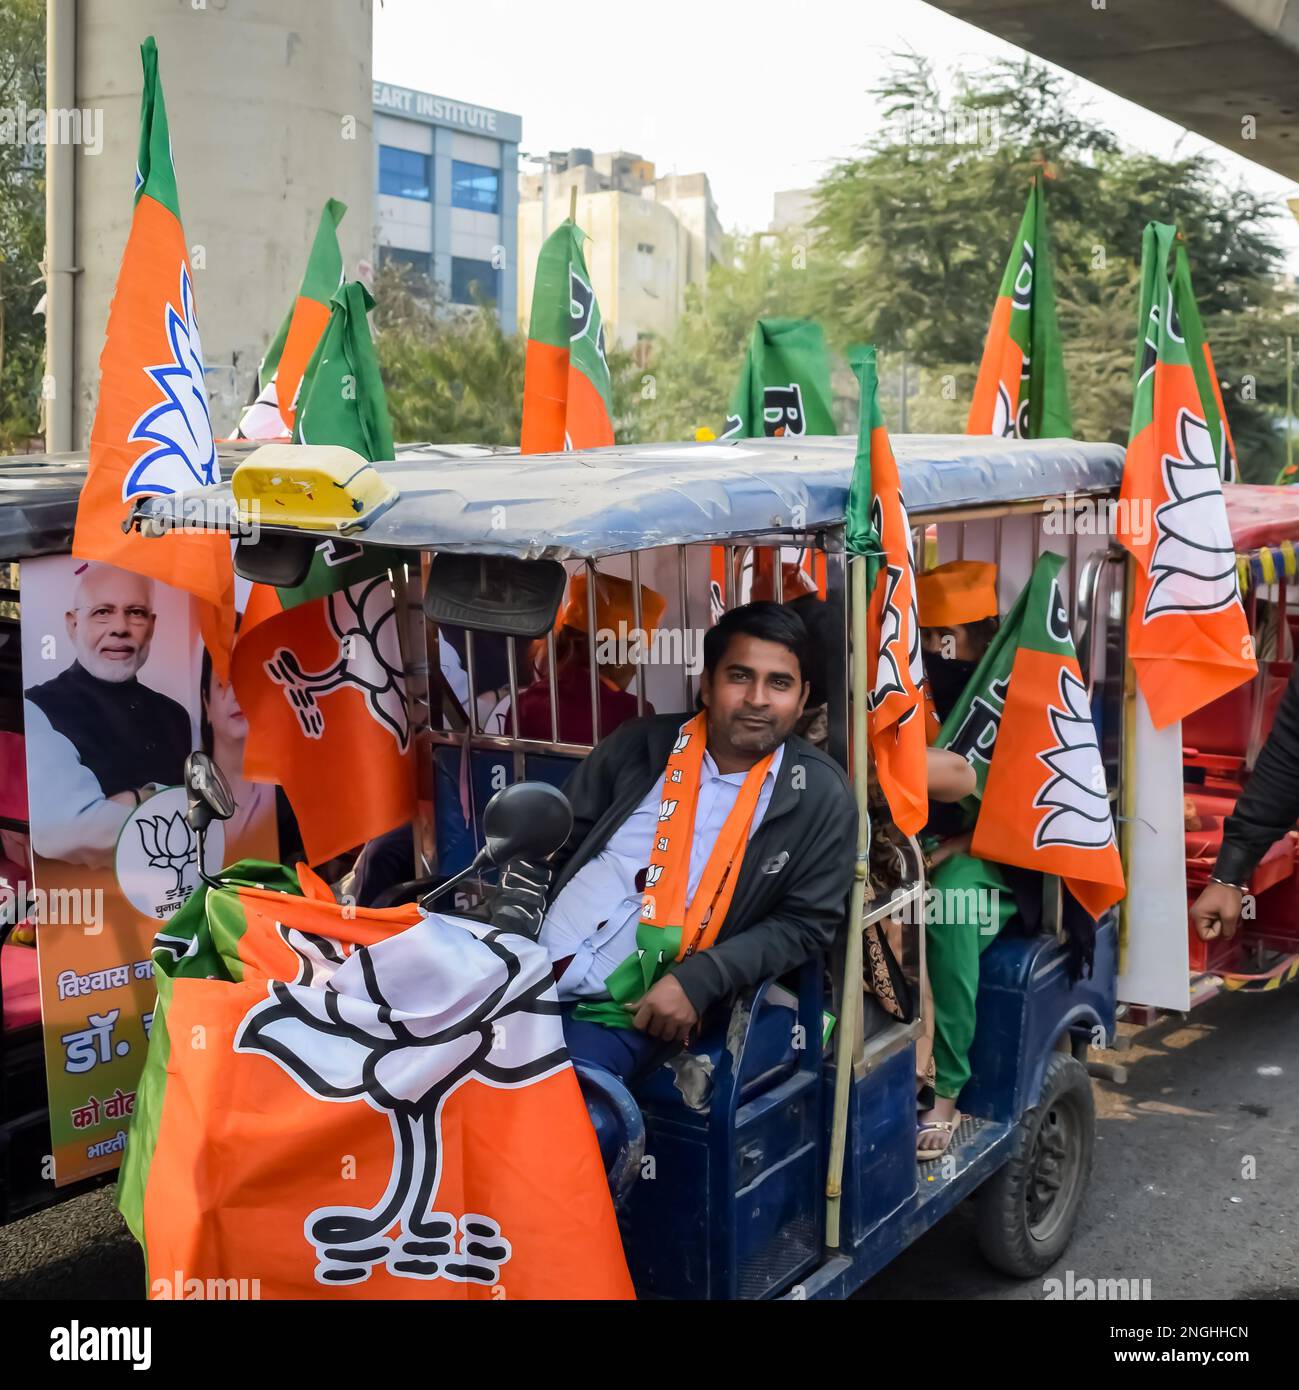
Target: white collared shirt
(604, 889)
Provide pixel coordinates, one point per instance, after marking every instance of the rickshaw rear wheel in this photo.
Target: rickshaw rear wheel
(1028, 1209)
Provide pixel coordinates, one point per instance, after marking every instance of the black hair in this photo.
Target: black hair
(769, 622)
(981, 632)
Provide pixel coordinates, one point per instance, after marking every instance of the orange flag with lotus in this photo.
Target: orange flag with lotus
(382, 1107)
(152, 434)
(1188, 638)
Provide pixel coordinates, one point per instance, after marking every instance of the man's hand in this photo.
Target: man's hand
(665, 1012)
(1216, 912)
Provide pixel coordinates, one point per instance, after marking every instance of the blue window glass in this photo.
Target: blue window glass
(475, 186)
(469, 275)
(421, 262)
(403, 173)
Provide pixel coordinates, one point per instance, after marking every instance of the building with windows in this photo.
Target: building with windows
(650, 236)
(446, 199)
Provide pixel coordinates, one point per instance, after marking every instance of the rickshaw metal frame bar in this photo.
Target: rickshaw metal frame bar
(592, 603)
(683, 597)
(552, 681)
(637, 618)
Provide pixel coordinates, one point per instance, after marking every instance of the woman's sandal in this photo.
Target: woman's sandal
(948, 1127)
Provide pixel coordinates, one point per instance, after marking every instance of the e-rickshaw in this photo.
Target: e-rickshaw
(774, 1157)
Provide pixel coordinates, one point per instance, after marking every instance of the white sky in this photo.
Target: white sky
(760, 95)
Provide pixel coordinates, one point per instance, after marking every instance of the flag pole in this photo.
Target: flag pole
(851, 995)
(572, 205)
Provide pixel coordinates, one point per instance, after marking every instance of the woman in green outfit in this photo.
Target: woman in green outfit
(971, 900)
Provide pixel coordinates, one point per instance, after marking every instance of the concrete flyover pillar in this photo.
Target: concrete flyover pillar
(269, 103)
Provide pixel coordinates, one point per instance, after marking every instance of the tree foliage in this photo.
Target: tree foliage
(22, 225)
(912, 232)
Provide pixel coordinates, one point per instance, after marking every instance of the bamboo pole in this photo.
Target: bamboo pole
(850, 1007)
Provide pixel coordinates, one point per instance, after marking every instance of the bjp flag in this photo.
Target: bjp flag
(1024, 724)
(567, 389)
(280, 373)
(877, 526)
(318, 668)
(348, 1103)
(152, 435)
(1187, 636)
(1021, 391)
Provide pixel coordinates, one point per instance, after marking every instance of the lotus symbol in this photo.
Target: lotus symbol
(1076, 792)
(178, 426)
(168, 843)
(400, 1025)
(364, 620)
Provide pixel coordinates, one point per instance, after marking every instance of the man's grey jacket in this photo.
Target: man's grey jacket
(792, 892)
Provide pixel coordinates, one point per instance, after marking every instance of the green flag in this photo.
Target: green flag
(343, 400)
(784, 385)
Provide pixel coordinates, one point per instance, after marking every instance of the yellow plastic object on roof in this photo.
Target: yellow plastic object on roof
(318, 487)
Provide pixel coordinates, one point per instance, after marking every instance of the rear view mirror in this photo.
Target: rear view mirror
(207, 798)
(494, 593)
(275, 558)
(528, 820)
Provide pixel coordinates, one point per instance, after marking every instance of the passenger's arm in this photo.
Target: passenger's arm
(950, 776)
(71, 818)
(1269, 805)
(804, 922)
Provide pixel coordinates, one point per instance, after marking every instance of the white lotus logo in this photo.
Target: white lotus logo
(888, 671)
(179, 426)
(1076, 792)
(1193, 564)
(401, 1025)
(666, 809)
(369, 660)
(262, 419)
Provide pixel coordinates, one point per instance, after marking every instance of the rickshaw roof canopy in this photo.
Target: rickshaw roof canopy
(635, 497)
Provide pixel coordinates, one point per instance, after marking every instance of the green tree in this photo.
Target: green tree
(22, 224)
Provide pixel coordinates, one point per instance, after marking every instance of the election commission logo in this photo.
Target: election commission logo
(157, 855)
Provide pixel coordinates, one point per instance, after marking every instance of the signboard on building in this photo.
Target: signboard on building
(458, 115)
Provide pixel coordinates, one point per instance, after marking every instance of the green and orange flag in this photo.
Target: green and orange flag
(152, 434)
(783, 389)
(280, 373)
(567, 390)
(1024, 724)
(318, 669)
(346, 1103)
(877, 526)
(1187, 634)
(1021, 391)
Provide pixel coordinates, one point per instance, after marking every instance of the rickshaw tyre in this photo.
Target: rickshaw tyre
(1003, 1222)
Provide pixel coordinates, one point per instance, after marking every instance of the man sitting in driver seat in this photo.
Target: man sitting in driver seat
(709, 852)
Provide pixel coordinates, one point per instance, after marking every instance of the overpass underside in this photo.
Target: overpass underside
(1226, 69)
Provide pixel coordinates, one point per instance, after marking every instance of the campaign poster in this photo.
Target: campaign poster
(117, 691)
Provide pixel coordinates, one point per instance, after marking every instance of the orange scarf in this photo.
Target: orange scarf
(668, 877)
(669, 929)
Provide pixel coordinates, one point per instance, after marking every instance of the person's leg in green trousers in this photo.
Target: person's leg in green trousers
(970, 904)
